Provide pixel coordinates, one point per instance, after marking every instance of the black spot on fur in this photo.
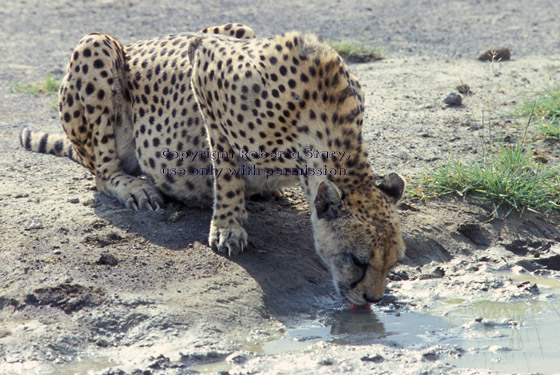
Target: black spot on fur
(90, 88)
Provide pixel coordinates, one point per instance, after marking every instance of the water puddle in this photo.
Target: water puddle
(501, 336)
(84, 366)
(509, 337)
(212, 367)
(359, 327)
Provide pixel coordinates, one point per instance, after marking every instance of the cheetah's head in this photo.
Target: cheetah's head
(358, 236)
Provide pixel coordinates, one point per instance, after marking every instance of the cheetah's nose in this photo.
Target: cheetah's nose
(371, 299)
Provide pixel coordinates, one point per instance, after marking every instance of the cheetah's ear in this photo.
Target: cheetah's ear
(393, 185)
(328, 202)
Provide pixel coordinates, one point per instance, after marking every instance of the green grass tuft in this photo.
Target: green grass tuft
(356, 52)
(545, 108)
(509, 176)
(49, 86)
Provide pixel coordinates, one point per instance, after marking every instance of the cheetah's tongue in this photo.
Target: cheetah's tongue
(353, 306)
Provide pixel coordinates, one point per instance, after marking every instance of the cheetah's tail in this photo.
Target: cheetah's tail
(56, 144)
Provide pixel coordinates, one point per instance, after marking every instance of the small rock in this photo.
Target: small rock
(102, 343)
(237, 358)
(529, 287)
(74, 201)
(4, 333)
(326, 362)
(495, 54)
(375, 359)
(430, 356)
(438, 272)
(453, 100)
(108, 259)
(160, 363)
(33, 224)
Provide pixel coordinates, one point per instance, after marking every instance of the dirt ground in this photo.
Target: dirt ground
(86, 281)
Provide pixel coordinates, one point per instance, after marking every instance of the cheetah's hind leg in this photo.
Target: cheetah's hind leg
(95, 108)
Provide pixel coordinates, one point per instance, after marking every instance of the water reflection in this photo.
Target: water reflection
(360, 327)
(356, 323)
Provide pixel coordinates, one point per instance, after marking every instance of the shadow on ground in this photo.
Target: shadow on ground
(280, 257)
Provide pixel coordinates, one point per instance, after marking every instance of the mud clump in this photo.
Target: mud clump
(464, 89)
(67, 297)
(108, 259)
(495, 54)
(522, 247)
(551, 263)
(111, 238)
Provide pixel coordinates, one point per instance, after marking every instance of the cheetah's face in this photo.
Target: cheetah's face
(359, 250)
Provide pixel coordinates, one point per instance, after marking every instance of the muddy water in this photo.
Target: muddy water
(509, 337)
(517, 336)
(359, 327)
(522, 336)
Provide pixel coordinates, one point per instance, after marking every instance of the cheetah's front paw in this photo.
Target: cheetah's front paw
(141, 195)
(230, 240)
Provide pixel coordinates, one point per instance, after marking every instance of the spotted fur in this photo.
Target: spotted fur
(285, 108)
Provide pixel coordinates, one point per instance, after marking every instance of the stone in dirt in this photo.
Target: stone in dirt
(108, 259)
(34, 224)
(375, 359)
(453, 100)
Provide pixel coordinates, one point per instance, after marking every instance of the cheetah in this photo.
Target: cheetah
(210, 117)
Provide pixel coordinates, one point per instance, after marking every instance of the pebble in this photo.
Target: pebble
(108, 259)
(453, 100)
(237, 358)
(438, 272)
(376, 358)
(33, 224)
